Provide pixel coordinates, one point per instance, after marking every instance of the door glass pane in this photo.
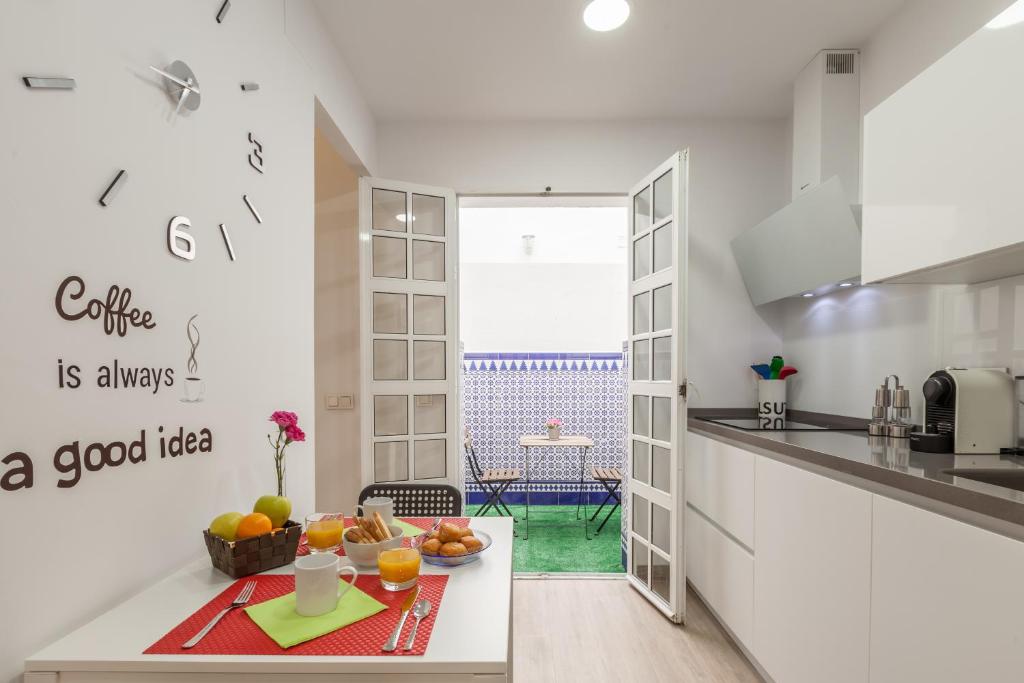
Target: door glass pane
(642, 257)
(390, 359)
(663, 247)
(662, 358)
(641, 462)
(642, 359)
(663, 308)
(428, 260)
(388, 210)
(427, 314)
(390, 461)
(642, 313)
(641, 519)
(660, 527)
(390, 313)
(429, 415)
(428, 359)
(661, 469)
(662, 423)
(663, 197)
(641, 415)
(640, 561)
(661, 573)
(430, 458)
(642, 210)
(389, 257)
(390, 415)
(427, 215)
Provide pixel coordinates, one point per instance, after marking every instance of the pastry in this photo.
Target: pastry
(471, 543)
(453, 549)
(466, 531)
(450, 533)
(431, 546)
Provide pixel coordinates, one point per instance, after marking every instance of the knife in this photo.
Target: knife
(410, 600)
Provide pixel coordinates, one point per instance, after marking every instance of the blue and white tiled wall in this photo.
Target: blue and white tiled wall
(507, 395)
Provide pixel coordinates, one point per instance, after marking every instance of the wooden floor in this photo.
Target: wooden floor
(594, 630)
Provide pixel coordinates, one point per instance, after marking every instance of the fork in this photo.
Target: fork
(243, 597)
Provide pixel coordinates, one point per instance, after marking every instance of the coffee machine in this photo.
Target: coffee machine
(977, 406)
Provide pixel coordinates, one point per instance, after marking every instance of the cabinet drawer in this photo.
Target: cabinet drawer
(720, 483)
(723, 572)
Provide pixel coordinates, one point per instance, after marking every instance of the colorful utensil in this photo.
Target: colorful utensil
(776, 366)
(762, 370)
(786, 371)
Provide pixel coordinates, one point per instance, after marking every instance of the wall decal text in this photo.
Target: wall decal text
(118, 317)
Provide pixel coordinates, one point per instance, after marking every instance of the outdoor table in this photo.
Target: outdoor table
(533, 441)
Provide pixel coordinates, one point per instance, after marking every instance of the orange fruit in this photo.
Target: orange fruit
(255, 524)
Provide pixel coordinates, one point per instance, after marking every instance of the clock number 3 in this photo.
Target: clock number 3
(181, 243)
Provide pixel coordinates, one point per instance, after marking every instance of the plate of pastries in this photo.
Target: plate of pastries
(450, 545)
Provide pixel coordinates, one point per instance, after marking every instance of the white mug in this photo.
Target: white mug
(317, 590)
(385, 506)
(195, 389)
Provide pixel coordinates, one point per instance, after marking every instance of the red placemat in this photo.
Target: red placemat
(424, 523)
(237, 634)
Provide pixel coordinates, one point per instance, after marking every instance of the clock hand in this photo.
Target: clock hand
(175, 79)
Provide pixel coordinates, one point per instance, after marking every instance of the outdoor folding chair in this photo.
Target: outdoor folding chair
(493, 482)
(611, 479)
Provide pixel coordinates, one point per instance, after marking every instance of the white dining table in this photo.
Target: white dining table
(471, 640)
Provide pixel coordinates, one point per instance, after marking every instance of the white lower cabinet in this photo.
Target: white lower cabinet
(947, 600)
(812, 576)
(723, 572)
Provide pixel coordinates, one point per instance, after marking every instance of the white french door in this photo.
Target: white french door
(657, 386)
(408, 241)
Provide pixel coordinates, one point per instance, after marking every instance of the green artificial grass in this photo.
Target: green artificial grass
(558, 543)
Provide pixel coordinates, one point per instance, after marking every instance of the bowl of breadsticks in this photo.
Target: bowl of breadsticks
(367, 537)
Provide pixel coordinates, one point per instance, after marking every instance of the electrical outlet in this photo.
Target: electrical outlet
(339, 401)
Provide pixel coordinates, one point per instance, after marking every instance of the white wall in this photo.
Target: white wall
(568, 293)
(74, 552)
(845, 343)
(737, 177)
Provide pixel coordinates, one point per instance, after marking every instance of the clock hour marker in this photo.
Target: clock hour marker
(255, 213)
(227, 241)
(176, 236)
(223, 11)
(256, 155)
(248, 86)
(112, 188)
(42, 82)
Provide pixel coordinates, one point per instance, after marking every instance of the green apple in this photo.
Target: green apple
(226, 525)
(278, 508)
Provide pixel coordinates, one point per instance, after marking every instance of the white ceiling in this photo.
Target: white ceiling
(462, 60)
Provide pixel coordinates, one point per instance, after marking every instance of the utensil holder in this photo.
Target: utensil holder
(257, 554)
(771, 404)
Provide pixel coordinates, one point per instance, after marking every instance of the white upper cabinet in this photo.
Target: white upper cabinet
(942, 168)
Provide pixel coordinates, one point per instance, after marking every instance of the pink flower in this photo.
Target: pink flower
(284, 419)
(294, 433)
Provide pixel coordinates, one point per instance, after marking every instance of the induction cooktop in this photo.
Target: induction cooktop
(752, 424)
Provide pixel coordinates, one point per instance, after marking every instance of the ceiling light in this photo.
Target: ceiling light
(1014, 14)
(846, 284)
(808, 295)
(606, 15)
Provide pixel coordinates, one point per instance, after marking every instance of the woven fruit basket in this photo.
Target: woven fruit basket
(257, 554)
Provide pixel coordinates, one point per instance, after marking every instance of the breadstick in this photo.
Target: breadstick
(361, 536)
(371, 529)
(381, 526)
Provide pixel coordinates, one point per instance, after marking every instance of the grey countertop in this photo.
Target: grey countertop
(880, 460)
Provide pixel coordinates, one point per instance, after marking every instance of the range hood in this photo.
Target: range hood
(814, 243)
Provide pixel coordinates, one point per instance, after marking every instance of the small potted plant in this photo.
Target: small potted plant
(554, 427)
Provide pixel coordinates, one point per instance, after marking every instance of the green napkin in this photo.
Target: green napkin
(410, 530)
(279, 620)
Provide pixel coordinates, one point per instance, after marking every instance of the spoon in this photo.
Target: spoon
(421, 610)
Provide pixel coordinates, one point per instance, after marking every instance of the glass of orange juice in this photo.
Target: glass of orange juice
(324, 531)
(399, 568)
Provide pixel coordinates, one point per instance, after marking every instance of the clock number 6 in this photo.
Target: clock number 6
(181, 243)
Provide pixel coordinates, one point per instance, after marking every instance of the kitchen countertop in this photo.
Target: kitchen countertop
(879, 460)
